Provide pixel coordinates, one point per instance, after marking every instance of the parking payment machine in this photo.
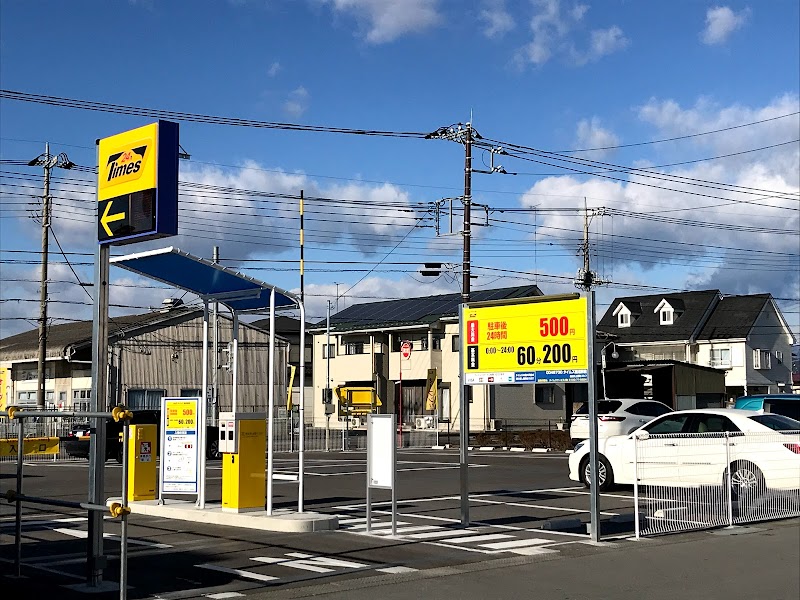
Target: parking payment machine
(142, 444)
(243, 444)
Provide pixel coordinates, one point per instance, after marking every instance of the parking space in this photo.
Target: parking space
(520, 505)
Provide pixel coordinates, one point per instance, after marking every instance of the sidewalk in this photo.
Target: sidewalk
(761, 562)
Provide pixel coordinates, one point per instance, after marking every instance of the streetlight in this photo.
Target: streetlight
(614, 355)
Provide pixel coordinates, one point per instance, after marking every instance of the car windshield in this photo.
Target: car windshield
(604, 407)
(777, 422)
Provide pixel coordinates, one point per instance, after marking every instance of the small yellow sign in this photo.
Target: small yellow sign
(5, 380)
(181, 414)
(127, 162)
(45, 445)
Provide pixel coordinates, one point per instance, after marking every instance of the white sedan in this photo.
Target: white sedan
(688, 448)
(615, 417)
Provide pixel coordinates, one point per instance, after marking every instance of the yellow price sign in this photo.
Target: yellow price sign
(181, 414)
(538, 341)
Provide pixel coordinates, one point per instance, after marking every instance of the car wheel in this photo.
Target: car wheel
(605, 475)
(746, 481)
(212, 450)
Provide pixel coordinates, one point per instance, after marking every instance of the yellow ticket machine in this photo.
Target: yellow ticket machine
(243, 443)
(142, 442)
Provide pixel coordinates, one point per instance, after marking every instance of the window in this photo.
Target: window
(712, 424)
(604, 407)
(668, 424)
(624, 319)
(424, 343)
(353, 348)
(666, 316)
(145, 399)
(720, 357)
(545, 394)
(81, 400)
(437, 342)
(649, 409)
(191, 393)
(777, 422)
(762, 359)
(328, 350)
(779, 356)
(26, 399)
(456, 343)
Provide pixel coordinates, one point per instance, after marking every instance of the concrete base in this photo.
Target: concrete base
(103, 587)
(213, 514)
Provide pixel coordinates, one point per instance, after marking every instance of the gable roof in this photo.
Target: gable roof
(734, 317)
(696, 307)
(415, 311)
(60, 338)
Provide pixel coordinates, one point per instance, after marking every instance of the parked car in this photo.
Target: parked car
(757, 463)
(615, 417)
(787, 405)
(77, 442)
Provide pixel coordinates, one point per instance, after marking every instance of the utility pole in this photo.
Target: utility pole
(48, 162)
(587, 278)
(465, 134)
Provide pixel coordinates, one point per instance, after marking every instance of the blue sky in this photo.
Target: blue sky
(551, 75)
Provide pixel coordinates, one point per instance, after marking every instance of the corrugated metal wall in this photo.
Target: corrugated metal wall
(170, 359)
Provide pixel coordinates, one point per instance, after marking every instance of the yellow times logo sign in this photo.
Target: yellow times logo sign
(127, 162)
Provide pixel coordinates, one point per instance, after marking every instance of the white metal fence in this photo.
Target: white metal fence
(697, 481)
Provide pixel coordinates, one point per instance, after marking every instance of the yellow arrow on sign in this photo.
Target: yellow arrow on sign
(107, 218)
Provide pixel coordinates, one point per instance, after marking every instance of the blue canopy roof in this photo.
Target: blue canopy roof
(212, 282)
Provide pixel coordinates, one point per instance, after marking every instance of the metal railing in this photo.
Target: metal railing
(35, 424)
(685, 482)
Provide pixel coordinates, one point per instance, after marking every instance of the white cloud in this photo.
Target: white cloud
(297, 102)
(274, 69)
(591, 134)
(721, 22)
(388, 20)
(498, 21)
(557, 33)
(715, 254)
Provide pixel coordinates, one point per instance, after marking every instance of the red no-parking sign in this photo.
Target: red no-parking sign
(405, 350)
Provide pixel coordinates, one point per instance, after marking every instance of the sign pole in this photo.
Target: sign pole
(594, 494)
(463, 425)
(97, 449)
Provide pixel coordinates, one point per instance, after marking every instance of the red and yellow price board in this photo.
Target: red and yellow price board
(181, 414)
(532, 342)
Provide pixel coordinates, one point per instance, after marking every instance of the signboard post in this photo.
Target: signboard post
(527, 340)
(181, 422)
(381, 462)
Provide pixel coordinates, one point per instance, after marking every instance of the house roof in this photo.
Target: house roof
(415, 311)
(285, 326)
(67, 337)
(707, 315)
(647, 327)
(60, 338)
(734, 317)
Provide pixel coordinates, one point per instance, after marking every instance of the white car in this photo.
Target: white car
(763, 449)
(617, 416)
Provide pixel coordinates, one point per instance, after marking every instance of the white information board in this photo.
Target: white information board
(180, 445)
(380, 451)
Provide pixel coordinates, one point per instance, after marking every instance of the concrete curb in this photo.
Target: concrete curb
(286, 522)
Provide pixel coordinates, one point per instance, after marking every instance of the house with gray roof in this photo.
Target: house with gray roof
(746, 336)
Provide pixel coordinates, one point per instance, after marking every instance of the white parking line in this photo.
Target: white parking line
(478, 538)
(238, 572)
(515, 544)
(441, 533)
